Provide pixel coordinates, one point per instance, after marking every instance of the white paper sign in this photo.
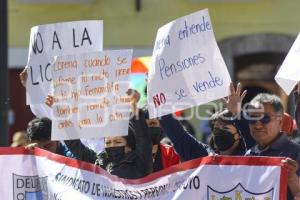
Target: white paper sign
(289, 72)
(51, 40)
(188, 67)
(49, 176)
(90, 95)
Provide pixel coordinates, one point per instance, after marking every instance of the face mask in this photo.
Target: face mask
(156, 134)
(115, 154)
(223, 139)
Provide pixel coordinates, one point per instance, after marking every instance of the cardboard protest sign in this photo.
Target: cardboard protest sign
(44, 175)
(90, 99)
(289, 72)
(47, 41)
(187, 66)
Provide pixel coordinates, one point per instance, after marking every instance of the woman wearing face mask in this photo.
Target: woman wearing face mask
(163, 151)
(226, 139)
(163, 154)
(125, 156)
(187, 146)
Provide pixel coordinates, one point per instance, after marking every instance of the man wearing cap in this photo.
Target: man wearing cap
(39, 135)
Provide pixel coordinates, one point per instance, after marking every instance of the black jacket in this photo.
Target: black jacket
(187, 146)
(135, 164)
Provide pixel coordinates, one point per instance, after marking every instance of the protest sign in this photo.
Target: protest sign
(43, 175)
(47, 41)
(188, 68)
(90, 99)
(289, 72)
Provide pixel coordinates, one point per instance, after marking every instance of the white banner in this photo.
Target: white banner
(289, 72)
(90, 95)
(47, 176)
(188, 68)
(47, 41)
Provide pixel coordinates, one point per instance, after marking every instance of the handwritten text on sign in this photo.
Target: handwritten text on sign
(90, 95)
(62, 178)
(188, 69)
(51, 40)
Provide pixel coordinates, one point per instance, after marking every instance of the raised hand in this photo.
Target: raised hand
(135, 97)
(234, 101)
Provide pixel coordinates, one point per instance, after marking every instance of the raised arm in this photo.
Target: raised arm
(234, 105)
(143, 144)
(185, 144)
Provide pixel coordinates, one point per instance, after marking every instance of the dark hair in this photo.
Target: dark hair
(224, 116)
(273, 100)
(39, 129)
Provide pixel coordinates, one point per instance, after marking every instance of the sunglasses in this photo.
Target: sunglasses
(265, 119)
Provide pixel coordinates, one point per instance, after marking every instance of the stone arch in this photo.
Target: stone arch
(255, 58)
